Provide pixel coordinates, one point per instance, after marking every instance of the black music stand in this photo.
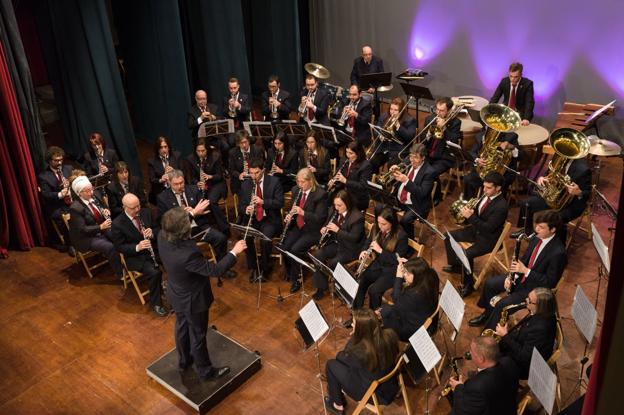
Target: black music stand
(302, 264)
(375, 80)
(295, 131)
(325, 133)
(100, 180)
(260, 129)
(381, 195)
(418, 92)
(215, 128)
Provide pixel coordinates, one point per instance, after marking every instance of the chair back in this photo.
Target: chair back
(419, 248)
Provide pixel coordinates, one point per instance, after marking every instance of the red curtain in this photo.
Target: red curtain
(21, 221)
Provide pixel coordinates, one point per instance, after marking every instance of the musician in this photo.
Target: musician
(440, 157)
(262, 197)
(366, 64)
(201, 112)
(236, 106)
(506, 142)
(303, 223)
(344, 233)
(517, 93)
(414, 190)
(354, 173)
(315, 157)
(90, 223)
(357, 114)
(189, 291)
(56, 194)
(132, 233)
(414, 297)
(485, 224)
(164, 161)
(314, 102)
(276, 101)
(99, 159)
(282, 160)
(541, 266)
(239, 157)
(386, 241)
(388, 151)
(370, 354)
(493, 389)
(580, 188)
(204, 168)
(123, 183)
(203, 215)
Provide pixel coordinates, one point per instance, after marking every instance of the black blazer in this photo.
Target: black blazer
(283, 111)
(90, 161)
(387, 259)
(452, 132)
(126, 236)
(548, 266)
(360, 68)
(537, 331)
(188, 284)
(50, 187)
(289, 164)
(155, 170)
(315, 210)
(356, 185)
(242, 114)
(351, 233)
(212, 165)
(323, 167)
(580, 174)
(524, 96)
(82, 224)
(194, 113)
(272, 195)
(420, 189)
(405, 133)
(492, 391)
(409, 312)
(167, 200)
(321, 100)
(488, 226)
(362, 133)
(236, 164)
(115, 193)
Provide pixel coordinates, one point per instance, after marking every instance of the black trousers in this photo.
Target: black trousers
(475, 250)
(190, 338)
(57, 218)
(298, 242)
(493, 286)
(338, 380)
(440, 166)
(375, 280)
(154, 279)
(331, 255)
(270, 230)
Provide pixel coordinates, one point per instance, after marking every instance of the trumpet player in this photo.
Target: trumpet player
(239, 157)
(357, 113)
(201, 112)
(314, 102)
(380, 250)
(133, 235)
(236, 106)
(402, 125)
(303, 223)
(443, 130)
(541, 265)
(164, 161)
(282, 160)
(275, 101)
(486, 219)
(99, 159)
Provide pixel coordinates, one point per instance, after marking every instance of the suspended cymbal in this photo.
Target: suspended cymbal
(600, 147)
(385, 88)
(319, 71)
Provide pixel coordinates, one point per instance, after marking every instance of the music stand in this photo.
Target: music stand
(382, 135)
(100, 180)
(418, 92)
(280, 297)
(260, 129)
(325, 132)
(381, 195)
(215, 128)
(375, 80)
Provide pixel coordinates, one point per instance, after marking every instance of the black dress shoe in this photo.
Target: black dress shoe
(229, 274)
(329, 405)
(160, 311)
(319, 294)
(478, 320)
(451, 269)
(71, 251)
(295, 286)
(216, 373)
(516, 234)
(183, 368)
(466, 290)
(253, 275)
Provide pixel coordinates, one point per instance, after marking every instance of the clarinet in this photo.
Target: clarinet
(290, 217)
(514, 276)
(65, 184)
(150, 249)
(363, 264)
(252, 204)
(332, 182)
(325, 236)
(202, 166)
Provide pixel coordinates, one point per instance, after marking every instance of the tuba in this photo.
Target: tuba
(503, 319)
(458, 205)
(498, 119)
(568, 145)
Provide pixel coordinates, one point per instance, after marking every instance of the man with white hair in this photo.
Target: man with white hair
(90, 223)
(363, 65)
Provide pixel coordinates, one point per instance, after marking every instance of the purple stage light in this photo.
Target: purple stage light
(429, 37)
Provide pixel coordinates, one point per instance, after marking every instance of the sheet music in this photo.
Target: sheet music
(459, 251)
(542, 381)
(313, 320)
(425, 348)
(452, 144)
(375, 185)
(584, 314)
(345, 280)
(452, 304)
(601, 248)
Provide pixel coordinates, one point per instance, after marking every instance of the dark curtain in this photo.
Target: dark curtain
(83, 68)
(150, 42)
(21, 221)
(214, 41)
(22, 82)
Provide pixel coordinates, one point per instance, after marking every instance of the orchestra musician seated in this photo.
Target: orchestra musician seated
(357, 113)
(517, 93)
(239, 157)
(402, 126)
(442, 130)
(314, 103)
(204, 168)
(99, 160)
(275, 101)
(353, 174)
(123, 183)
(315, 157)
(281, 161)
(164, 161)
(200, 113)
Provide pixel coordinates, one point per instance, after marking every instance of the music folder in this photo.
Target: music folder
(375, 80)
(311, 324)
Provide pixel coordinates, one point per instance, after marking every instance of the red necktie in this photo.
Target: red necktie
(403, 197)
(259, 208)
(278, 159)
(533, 257)
(96, 213)
(484, 205)
(183, 201)
(137, 223)
(433, 147)
(512, 98)
(299, 217)
(352, 125)
(340, 220)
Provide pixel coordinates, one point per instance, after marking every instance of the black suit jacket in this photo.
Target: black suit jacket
(50, 188)
(272, 196)
(409, 312)
(126, 236)
(242, 114)
(452, 132)
(321, 101)
(361, 129)
(356, 185)
(115, 193)
(488, 226)
(167, 200)
(188, 284)
(315, 210)
(491, 391)
(155, 170)
(579, 173)
(548, 266)
(351, 233)
(524, 96)
(360, 68)
(289, 163)
(420, 189)
(405, 133)
(212, 166)
(90, 161)
(194, 113)
(236, 164)
(283, 111)
(322, 166)
(537, 331)
(82, 224)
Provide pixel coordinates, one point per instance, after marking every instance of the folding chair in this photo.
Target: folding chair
(84, 257)
(129, 276)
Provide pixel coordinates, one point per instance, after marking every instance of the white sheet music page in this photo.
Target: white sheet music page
(425, 348)
(313, 320)
(584, 314)
(601, 248)
(345, 280)
(452, 304)
(542, 381)
(459, 251)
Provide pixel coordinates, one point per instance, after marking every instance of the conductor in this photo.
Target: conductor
(189, 291)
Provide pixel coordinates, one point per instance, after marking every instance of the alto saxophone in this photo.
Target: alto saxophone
(503, 319)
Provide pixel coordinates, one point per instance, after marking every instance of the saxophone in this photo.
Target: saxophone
(458, 205)
(503, 319)
(497, 119)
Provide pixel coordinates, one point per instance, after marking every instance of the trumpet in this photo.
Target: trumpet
(274, 113)
(388, 177)
(304, 103)
(332, 181)
(151, 248)
(211, 117)
(290, 216)
(231, 108)
(345, 114)
(326, 235)
(447, 389)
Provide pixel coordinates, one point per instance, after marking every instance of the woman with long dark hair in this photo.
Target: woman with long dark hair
(315, 157)
(282, 161)
(99, 159)
(204, 168)
(353, 174)
(123, 182)
(164, 161)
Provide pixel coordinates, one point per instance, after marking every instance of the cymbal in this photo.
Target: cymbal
(385, 88)
(319, 71)
(600, 147)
